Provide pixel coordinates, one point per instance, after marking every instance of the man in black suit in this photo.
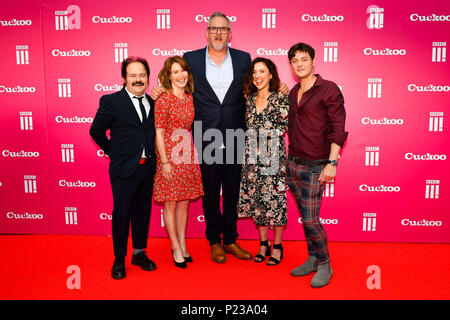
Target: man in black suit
(129, 116)
(219, 105)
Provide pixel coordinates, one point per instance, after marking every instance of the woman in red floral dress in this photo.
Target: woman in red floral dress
(177, 179)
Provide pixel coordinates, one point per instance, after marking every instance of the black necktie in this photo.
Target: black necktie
(141, 105)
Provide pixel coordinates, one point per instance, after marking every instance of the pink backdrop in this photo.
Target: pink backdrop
(389, 58)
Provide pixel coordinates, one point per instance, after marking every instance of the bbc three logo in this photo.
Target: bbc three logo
(376, 17)
(436, 122)
(22, 54)
(372, 157)
(64, 88)
(69, 19)
(369, 221)
(30, 183)
(374, 88)
(120, 52)
(269, 18)
(26, 120)
(67, 153)
(330, 51)
(439, 52)
(432, 189)
(163, 18)
(71, 216)
(328, 191)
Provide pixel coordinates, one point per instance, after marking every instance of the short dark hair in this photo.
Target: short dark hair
(302, 47)
(131, 59)
(248, 85)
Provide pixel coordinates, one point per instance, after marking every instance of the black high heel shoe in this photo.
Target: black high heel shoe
(260, 257)
(182, 265)
(188, 259)
(275, 260)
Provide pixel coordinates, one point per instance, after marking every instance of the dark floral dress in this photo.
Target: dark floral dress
(263, 182)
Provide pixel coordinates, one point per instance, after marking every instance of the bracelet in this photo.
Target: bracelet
(165, 162)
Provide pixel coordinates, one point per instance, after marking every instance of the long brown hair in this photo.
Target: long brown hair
(249, 87)
(164, 74)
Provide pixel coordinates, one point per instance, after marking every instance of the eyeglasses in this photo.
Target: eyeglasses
(134, 76)
(216, 29)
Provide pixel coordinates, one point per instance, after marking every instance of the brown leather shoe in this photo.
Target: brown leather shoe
(217, 253)
(237, 251)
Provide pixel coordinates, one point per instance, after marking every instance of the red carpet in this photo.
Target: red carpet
(34, 267)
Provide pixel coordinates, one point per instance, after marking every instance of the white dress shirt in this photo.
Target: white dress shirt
(138, 109)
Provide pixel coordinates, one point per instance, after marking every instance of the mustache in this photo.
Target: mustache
(137, 83)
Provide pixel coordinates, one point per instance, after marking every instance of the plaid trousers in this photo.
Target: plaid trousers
(303, 182)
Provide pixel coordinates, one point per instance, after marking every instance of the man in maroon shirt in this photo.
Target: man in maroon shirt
(316, 135)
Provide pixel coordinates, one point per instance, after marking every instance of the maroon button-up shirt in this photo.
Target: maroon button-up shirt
(317, 121)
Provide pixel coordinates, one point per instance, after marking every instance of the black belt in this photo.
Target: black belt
(306, 163)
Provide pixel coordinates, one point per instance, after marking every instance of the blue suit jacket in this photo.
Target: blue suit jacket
(231, 113)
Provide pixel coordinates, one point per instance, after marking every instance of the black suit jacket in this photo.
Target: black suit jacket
(128, 135)
(231, 113)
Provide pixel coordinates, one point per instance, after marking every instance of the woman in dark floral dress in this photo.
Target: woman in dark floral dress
(263, 183)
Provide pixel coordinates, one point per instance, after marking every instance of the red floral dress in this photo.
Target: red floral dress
(176, 116)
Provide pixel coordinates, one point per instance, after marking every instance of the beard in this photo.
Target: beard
(218, 47)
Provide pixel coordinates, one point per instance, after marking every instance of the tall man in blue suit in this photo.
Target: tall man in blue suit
(129, 116)
(220, 105)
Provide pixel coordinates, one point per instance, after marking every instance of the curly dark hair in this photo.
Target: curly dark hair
(249, 87)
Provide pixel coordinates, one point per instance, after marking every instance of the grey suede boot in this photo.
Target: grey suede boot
(309, 266)
(323, 276)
